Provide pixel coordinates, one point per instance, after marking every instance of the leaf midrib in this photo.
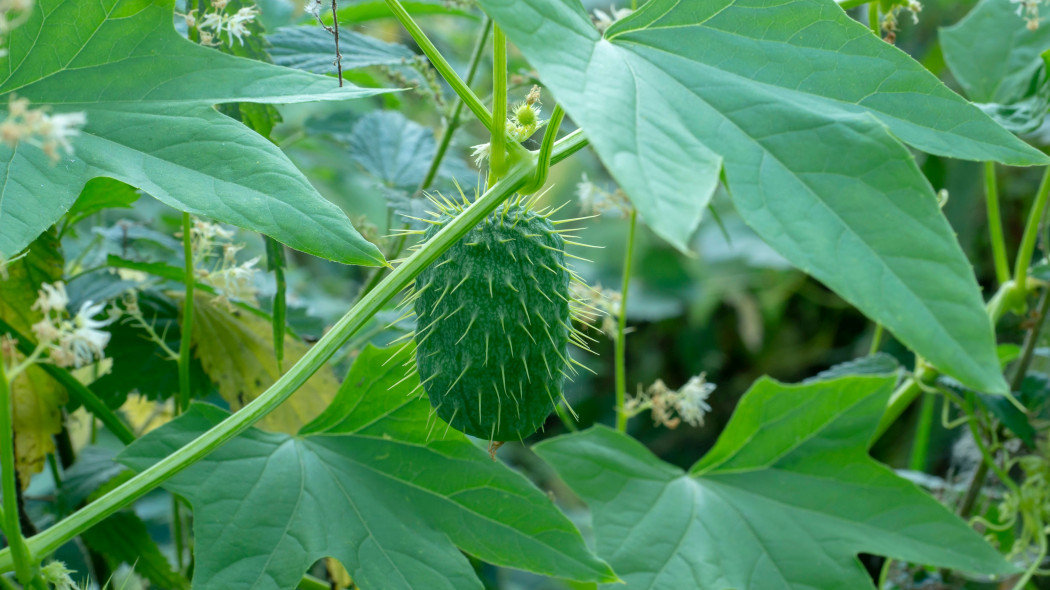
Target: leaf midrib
(39, 32)
(437, 495)
(920, 302)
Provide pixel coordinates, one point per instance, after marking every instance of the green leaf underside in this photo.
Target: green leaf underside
(785, 500)
(148, 95)
(311, 48)
(992, 53)
(397, 151)
(366, 484)
(801, 107)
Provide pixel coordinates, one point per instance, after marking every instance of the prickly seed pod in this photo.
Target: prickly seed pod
(494, 320)
(526, 115)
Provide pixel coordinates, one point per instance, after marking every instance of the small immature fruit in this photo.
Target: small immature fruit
(494, 324)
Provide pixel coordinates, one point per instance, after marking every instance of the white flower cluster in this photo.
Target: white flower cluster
(49, 132)
(689, 402)
(598, 303)
(594, 200)
(69, 342)
(1029, 11)
(215, 258)
(215, 21)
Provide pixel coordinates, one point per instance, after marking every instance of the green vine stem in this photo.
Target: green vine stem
(440, 63)
(76, 389)
(621, 326)
(297, 374)
(1031, 232)
(920, 449)
(876, 339)
(873, 17)
(995, 224)
(498, 125)
(23, 562)
(187, 315)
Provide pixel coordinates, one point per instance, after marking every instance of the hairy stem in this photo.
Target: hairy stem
(335, 33)
(498, 125)
(995, 224)
(440, 63)
(621, 326)
(187, 315)
(287, 384)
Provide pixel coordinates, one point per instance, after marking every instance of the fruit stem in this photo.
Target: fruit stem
(543, 161)
(621, 325)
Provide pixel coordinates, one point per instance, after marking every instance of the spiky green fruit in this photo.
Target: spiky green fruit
(494, 322)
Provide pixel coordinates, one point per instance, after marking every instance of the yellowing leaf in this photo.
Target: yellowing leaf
(36, 397)
(36, 400)
(145, 414)
(236, 351)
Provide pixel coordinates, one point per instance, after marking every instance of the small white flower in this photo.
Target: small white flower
(57, 129)
(85, 341)
(210, 20)
(692, 400)
(314, 7)
(236, 26)
(480, 153)
(51, 298)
